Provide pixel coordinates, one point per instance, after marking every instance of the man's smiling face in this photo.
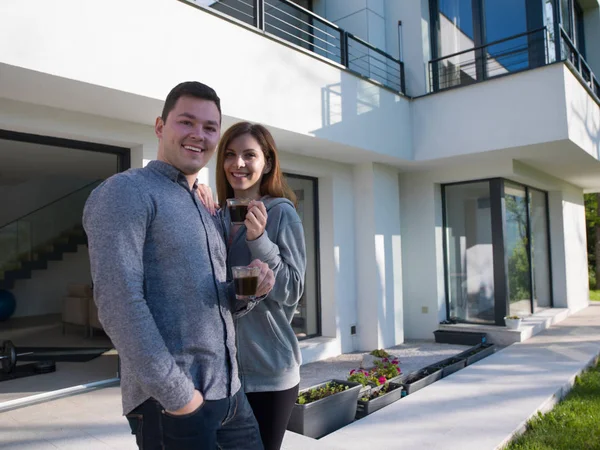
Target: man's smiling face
(189, 136)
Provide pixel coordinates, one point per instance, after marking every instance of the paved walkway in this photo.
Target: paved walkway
(477, 408)
(481, 406)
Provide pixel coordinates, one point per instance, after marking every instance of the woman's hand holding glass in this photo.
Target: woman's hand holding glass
(256, 220)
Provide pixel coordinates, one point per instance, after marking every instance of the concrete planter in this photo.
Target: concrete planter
(459, 337)
(477, 353)
(364, 408)
(512, 324)
(420, 379)
(450, 365)
(321, 417)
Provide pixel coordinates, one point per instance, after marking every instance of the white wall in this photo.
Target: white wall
(423, 298)
(388, 255)
(257, 78)
(583, 115)
(477, 118)
(44, 292)
(575, 248)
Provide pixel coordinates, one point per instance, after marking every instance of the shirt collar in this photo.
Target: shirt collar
(170, 172)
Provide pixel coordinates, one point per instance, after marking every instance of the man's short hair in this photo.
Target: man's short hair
(190, 89)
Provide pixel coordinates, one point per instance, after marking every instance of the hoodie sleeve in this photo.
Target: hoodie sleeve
(285, 255)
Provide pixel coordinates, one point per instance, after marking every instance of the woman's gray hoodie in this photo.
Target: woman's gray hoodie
(268, 354)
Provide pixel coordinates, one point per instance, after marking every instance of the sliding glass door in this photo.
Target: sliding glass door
(497, 253)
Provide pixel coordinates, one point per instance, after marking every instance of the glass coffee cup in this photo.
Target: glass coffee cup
(238, 208)
(245, 279)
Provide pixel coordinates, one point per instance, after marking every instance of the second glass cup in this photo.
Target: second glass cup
(245, 279)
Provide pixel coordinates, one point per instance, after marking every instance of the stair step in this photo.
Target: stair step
(7, 284)
(35, 265)
(17, 274)
(66, 248)
(53, 256)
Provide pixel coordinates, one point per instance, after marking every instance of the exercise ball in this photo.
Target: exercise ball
(7, 304)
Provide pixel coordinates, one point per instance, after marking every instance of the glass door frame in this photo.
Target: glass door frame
(500, 258)
(317, 245)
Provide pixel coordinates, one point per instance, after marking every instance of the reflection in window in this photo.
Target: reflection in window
(503, 19)
(470, 262)
(516, 244)
(456, 35)
(540, 251)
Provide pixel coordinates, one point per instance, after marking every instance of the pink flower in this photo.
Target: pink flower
(385, 360)
(382, 380)
(395, 362)
(352, 371)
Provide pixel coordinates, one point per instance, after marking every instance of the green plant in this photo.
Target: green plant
(314, 394)
(364, 377)
(387, 369)
(381, 353)
(512, 317)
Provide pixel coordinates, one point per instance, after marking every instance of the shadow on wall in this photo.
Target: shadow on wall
(585, 110)
(362, 114)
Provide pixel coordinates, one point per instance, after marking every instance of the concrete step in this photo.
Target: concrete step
(530, 326)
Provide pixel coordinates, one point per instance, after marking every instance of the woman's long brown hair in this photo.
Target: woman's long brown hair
(272, 183)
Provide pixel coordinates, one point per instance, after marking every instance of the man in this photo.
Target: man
(159, 271)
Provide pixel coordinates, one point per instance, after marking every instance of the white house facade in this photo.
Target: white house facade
(440, 148)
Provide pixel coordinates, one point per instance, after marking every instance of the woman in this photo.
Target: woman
(268, 353)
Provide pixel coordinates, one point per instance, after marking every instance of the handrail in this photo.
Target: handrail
(323, 38)
(372, 47)
(51, 203)
(310, 13)
(499, 41)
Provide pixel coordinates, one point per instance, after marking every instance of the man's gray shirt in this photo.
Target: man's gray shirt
(158, 263)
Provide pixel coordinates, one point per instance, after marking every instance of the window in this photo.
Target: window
(306, 321)
(474, 40)
(469, 252)
(496, 250)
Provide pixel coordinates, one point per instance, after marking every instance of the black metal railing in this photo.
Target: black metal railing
(303, 28)
(569, 53)
(516, 53)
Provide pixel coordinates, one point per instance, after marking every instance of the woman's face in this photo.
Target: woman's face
(245, 165)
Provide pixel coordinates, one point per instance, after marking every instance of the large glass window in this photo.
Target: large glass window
(504, 19)
(306, 320)
(456, 34)
(470, 264)
(474, 28)
(516, 246)
(497, 251)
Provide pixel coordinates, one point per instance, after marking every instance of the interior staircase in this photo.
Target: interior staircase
(45, 234)
(37, 259)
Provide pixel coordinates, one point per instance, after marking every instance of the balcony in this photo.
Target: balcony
(524, 51)
(284, 19)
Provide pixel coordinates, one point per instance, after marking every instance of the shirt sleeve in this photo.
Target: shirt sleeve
(116, 218)
(286, 257)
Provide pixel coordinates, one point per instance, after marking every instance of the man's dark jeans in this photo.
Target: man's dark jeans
(227, 424)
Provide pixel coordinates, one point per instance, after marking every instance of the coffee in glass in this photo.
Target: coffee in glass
(238, 208)
(245, 279)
